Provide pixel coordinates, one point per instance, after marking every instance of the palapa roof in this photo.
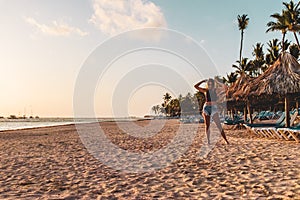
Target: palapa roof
(237, 85)
(282, 78)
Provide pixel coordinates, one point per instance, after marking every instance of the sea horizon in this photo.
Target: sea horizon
(18, 124)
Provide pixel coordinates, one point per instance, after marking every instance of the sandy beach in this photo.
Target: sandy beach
(52, 163)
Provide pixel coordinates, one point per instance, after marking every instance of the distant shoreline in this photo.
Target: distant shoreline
(22, 124)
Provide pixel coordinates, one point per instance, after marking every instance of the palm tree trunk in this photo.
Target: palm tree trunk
(297, 40)
(283, 37)
(241, 46)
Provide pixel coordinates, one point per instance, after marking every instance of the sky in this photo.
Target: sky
(46, 46)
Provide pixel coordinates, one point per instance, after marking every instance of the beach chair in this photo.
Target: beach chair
(290, 133)
(236, 120)
(272, 131)
(264, 115)
(260, 115)
(269, 130)
(255, 115)
(252, 127)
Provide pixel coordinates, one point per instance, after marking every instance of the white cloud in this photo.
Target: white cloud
(115, 16)
(56, 28)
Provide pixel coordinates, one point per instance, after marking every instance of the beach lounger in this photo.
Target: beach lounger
(290, 133)
(294, 115)
(279, 122)
(251, 127)
(236, 120)
(264, 115)
(269, 130)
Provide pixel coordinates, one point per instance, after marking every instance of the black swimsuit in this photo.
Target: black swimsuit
(210, 110)
(211, 95)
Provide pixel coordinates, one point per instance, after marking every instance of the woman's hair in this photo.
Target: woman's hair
(212, 81)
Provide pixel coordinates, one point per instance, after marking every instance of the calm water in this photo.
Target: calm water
(6, 124)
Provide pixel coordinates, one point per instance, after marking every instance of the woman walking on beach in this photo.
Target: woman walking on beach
(210, 108)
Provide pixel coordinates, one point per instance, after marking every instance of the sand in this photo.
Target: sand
(52, 163)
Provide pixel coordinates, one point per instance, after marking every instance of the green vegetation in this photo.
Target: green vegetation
(288, 21)
(243, 22)
(190, 104)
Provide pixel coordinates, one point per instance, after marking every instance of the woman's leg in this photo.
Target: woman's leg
(218, 123)
(207, 124)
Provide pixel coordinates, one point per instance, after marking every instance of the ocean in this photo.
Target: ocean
(15, 124)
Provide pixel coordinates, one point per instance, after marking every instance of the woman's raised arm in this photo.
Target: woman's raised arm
(197, 86)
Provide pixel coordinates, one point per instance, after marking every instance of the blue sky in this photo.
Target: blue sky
(45, 43)
(215, 24)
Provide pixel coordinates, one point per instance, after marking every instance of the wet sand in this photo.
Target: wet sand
(53, 163)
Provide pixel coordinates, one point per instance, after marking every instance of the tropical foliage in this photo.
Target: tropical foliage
(288, 21)
(292, 15)
(243, 21)
(191, 104)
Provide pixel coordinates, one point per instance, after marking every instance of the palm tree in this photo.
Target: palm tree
(153, 109)
(244, 67)
(167, 97)
(162, 109)
(286, 45)
(243, 22)
(281, 24)
(273, 50)
(156, 109)
(294, 50)
(258, 51)
(292, 14)
(174, 108)
(259, 61)
(258, 66)
(230, 78)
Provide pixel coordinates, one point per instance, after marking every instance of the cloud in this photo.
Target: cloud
(56, 28)
(115, 16)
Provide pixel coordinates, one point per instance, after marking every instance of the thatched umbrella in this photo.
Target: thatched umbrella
(236, 86)
(282, 79)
